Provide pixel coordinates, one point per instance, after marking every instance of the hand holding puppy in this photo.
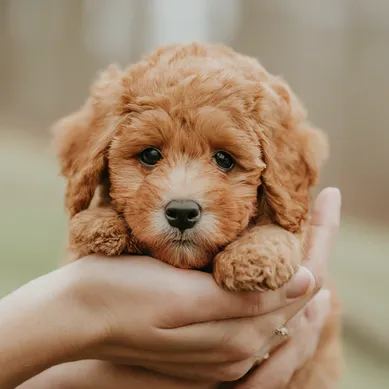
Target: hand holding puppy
(165, 327)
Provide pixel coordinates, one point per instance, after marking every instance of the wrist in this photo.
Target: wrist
(41, 324)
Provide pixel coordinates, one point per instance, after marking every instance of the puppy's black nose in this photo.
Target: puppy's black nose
(182, 214)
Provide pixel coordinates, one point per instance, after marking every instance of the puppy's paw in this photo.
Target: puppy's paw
(258, 262)
(98, 231)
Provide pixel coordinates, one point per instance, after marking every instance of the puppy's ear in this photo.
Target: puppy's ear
(293, 152)
(82, 140)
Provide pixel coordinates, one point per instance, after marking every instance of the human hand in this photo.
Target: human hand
(178, 322)
(140, 312)
(275, 373)
(224, 340)
(304, 330)
(304, 334)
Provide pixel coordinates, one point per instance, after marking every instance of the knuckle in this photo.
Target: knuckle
(245, 351)
(241, 345)
(256, 303)
(233, 371)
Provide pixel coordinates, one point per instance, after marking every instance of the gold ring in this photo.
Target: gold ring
(282, 331)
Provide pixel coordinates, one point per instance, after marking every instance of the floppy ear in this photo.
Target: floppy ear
(82, 140)
(293, 152)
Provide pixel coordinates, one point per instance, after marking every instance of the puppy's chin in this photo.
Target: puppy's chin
(184, 255)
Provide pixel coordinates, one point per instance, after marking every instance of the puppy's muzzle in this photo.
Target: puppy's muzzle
(183, 214)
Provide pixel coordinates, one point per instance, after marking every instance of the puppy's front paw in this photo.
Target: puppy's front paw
(91, 234)
(257, 263)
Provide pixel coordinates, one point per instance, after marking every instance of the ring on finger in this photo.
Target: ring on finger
(263, 355)
(282, 332)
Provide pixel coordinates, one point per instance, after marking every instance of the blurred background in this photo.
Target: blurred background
(335, 55)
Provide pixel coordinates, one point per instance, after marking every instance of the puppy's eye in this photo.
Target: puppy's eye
(224, 160)
(150, 156)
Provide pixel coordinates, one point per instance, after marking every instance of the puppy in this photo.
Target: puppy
(196, 156)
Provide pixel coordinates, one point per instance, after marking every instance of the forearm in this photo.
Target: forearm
(39, 327)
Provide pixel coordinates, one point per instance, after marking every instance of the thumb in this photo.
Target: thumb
(324, 227)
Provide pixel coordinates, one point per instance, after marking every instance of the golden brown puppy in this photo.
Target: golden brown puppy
(200, 156)
(200, 152)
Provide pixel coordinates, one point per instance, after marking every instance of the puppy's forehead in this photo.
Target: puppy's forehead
(195, 133)
(193, 105)
(191, 81)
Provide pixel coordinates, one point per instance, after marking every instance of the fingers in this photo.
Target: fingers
(324, 227)
(182, 297)
(304, 330)
(315, 313)
(226, 372)
(278, 370)
(228, 340)
(201, 290)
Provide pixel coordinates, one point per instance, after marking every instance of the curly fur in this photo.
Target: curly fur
(189, 101)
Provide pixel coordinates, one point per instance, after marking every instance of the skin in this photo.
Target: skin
(304, 332)
(82, 318)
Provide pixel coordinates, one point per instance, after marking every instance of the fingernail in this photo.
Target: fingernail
(300, 283)
(336, 197)
(335, 192)
(330, 192)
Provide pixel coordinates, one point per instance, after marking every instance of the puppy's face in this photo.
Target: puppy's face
(186, 183)
(187, 137)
